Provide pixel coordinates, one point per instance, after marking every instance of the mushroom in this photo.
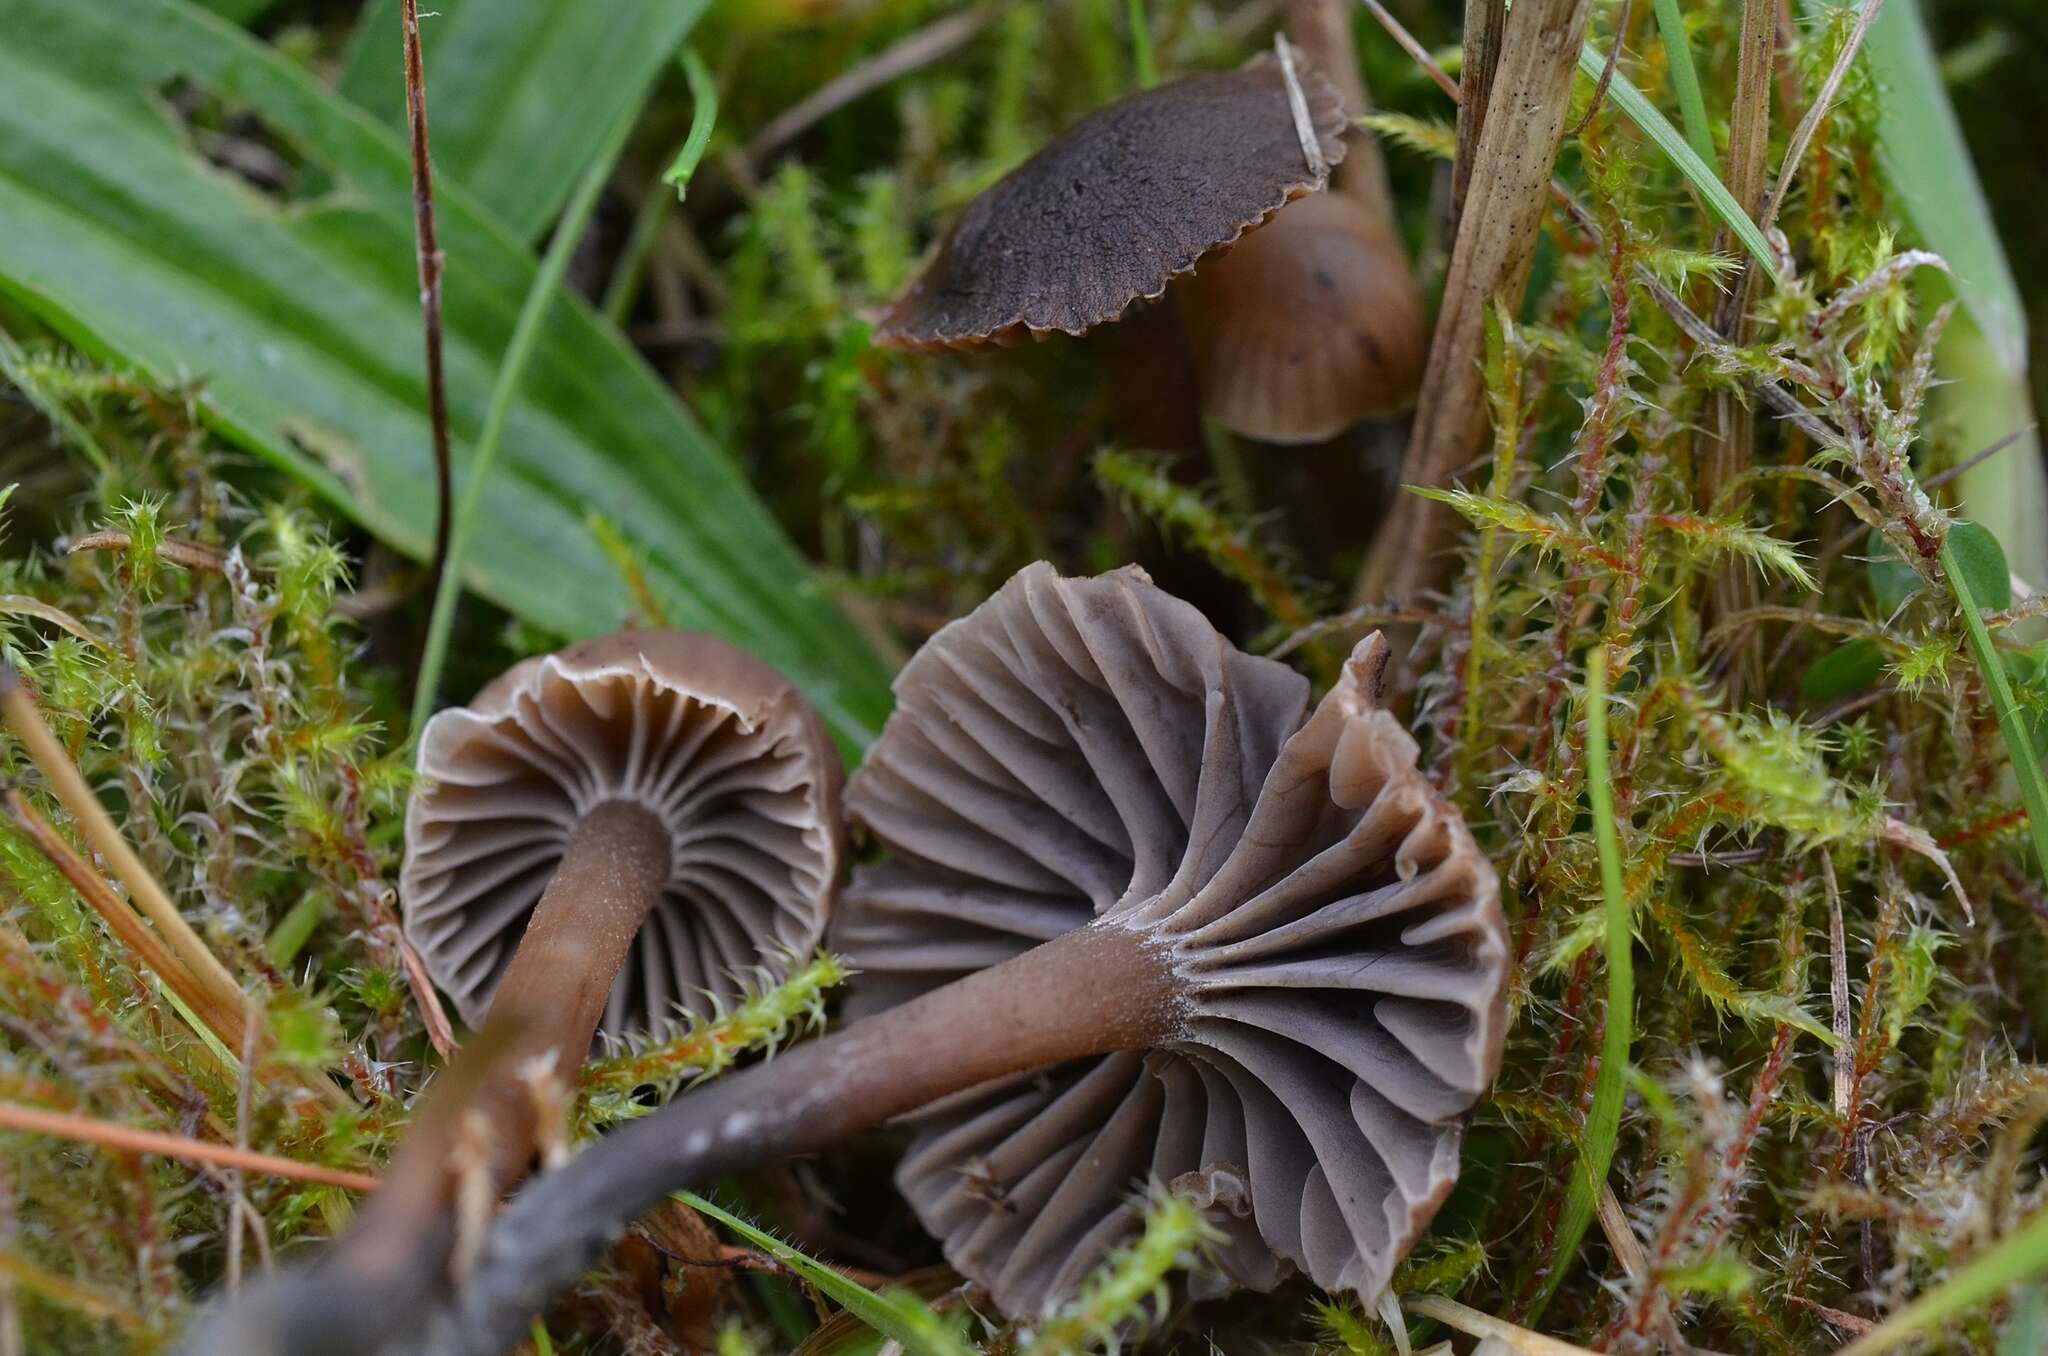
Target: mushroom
(616, 832)
(1094, 227)
(605, 835)
(1314, 321)
(1145, 913)
(1116, 206)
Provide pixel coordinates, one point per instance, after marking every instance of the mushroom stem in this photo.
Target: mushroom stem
(549, 1002)
(611, 874)
(1091, 991)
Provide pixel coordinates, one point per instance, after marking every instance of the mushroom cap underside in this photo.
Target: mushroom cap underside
(1091, 752)
(717, 745)
(1117, 205)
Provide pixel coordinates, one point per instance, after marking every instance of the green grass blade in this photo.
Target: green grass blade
(1142, 64)
(2020, 1254)
(1603, 1123)
(2026, 762)
(301, 321)
(1983, 357)
(703, 117)
(520, 93)
(896, 1319)
(1685, 80)
(1705, 182)
(540, 299)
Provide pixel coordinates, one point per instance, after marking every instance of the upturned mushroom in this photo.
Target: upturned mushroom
(617, 833)
(1315, 321)
(605, 837)
(1256, 954)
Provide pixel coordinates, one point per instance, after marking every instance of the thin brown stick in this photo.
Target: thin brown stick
(1606, 72)
(1976, 459)
(1795, 149)
(127, 1139)
(98, 827)
(1485, 36)
(926, 45)
(1420, 54)
(11, 1339)
(189, 555)
(1838, 989)
(1731, 440)
(1490, 261)
(431, 263)
(1468, 1320)
(147, 952)
(237, 1198)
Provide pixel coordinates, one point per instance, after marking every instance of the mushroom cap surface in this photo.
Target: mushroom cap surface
(1115, 206)
(1092, 751)
(717, 745)
(1308, 325)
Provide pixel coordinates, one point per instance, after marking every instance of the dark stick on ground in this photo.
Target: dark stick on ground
(431, 261)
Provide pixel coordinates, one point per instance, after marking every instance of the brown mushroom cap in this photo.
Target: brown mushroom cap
(1091, 749)
(1116, 205)
(1308, 325)
(714, 744)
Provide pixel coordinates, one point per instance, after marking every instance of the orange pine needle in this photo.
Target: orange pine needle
(130, 1140)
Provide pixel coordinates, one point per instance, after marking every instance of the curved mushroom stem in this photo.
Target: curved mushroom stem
(1090, 991)
(549, 1002)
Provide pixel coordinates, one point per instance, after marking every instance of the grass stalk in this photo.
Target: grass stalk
(1603, 1123)
(1685, 80)
(2019, 1255)
(624, 287)
(1143, 66)
(2026, 761)
(540, 300)
(100, 832)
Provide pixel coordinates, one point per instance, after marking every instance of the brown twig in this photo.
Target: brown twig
(926, 45)
(127, 1139)
(1407, 43)
(1485, 36)
(431, 262)
(146, 950)
(1606, 72)
(1490, 261)
(1976, 459)
(1731, 436)
(1795, 149)
(189, 555)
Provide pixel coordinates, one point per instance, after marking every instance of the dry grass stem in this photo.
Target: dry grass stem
(98, 827)
(1490, 261)
(127, 1139)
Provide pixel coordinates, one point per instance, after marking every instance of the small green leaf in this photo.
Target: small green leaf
(1982, 561)
(1892, 580)
(901, 1317)
(1842, 670)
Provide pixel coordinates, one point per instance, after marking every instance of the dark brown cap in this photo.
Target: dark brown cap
(1117, 205)
(714, 744)
(1083, 751)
